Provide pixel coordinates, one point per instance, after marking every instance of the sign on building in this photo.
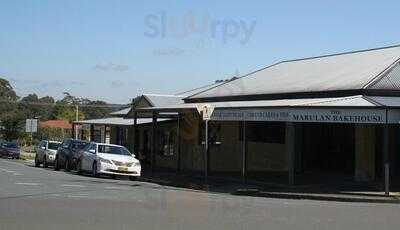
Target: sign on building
(31, 125)
(376, 116)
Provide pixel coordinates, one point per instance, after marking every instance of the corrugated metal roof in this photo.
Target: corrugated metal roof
(118, 121)
(389, 81)
(121, 112)
(157, 100)
(386, 101)
(198, 90)
(353, 101)
(346, 71)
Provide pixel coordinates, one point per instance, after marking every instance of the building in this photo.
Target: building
(55, 129)
(319, 119)
(119, 128)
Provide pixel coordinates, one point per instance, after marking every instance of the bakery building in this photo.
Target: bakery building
(332, 118)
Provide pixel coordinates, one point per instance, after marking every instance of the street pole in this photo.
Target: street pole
(76, 119)
(243, 151)
(386, 159)
(206, 154)
(31, 131)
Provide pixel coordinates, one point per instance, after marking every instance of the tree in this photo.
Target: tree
(12, 126)
(65, 108)
(10, 120)
(96, 109)
(69, 114)
(33, 106)
(8, 98)
(7, 92)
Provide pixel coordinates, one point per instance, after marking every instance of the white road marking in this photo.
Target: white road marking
(33, 184)
(73, 185)
(116, 188)
(77, 196)
(14, 163)
(6, 170)
(18, 174)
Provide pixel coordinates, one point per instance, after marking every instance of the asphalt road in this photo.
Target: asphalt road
(35, 198)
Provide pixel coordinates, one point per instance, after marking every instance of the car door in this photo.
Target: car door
(40, 150)
(63, 149)
(43, 150)
(88, 157)
(91, 155)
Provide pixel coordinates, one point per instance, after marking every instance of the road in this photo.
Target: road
(36, 198)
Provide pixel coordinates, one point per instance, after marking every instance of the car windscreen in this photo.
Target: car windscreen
(10, 145)
(79, 145)
(117, 150)
(53, 146)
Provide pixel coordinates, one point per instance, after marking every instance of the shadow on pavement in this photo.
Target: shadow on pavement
(343, 191)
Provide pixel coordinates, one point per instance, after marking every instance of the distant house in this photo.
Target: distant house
(55, 129)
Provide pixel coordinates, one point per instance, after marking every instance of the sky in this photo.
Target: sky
(116, 50)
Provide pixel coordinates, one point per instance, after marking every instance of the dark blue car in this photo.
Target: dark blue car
(9, 150)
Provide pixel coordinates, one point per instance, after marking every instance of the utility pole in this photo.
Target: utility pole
(76, 119)
(206, 153)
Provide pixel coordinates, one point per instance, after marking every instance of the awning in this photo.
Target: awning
(118, 121)
(352, 101)
(353, 109)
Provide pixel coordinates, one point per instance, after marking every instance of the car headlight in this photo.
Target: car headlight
(136, 164)
(102, 160)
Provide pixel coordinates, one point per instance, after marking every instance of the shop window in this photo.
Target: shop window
(264, 132)
(167, 143)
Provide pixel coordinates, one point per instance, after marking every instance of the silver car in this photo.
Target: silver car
(46, 153)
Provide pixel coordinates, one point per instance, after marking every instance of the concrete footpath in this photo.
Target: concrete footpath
(348, 193)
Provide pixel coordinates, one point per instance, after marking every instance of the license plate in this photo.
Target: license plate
(123, 169)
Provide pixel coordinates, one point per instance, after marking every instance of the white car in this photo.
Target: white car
(46, 153)
(113, 160)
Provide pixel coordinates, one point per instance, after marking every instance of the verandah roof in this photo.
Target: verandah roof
(352, 101)
(117, 121)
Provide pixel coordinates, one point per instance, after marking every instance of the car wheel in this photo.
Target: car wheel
(37, 163)
(45, 162)
(94, 170)
(56, 165)
(133, 178)
(67, 165)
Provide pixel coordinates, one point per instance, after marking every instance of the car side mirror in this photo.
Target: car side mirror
(44, 148)
(92, 151)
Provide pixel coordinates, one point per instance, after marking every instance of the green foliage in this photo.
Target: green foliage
(6, 91)
(69, 114)
(14, 112)
(33, 106)
(12, 126)
(8, 99)
(96, 109)
(56, 134)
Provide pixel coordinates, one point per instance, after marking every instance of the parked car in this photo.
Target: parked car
(46, 153)
(113, 160)
(10, 150)
(68, 153)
